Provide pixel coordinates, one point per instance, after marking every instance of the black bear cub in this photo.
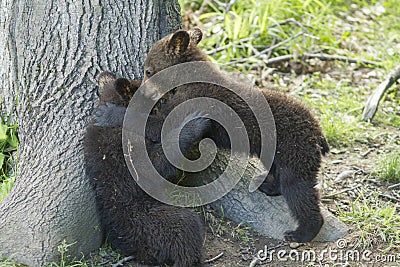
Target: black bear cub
(300, 141)
(133, 222)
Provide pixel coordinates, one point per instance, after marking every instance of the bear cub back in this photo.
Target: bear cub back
(300, 142)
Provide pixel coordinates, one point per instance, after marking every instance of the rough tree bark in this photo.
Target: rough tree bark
(51, 53)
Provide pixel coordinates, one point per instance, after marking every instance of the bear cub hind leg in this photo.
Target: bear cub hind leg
(302, 198)
(271, 185)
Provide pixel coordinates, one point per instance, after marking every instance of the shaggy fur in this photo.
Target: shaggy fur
(300, 141)
(133, 222)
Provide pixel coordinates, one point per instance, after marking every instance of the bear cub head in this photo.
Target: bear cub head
(178, 47)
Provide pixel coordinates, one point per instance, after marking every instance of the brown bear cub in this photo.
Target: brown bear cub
(133, 222)
(300, 141)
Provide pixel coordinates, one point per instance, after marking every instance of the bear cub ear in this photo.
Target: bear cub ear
(195, 35)
(179, 42)
(105, 78)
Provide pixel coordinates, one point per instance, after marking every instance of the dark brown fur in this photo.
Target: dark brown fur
(300, 141)
(135, 223)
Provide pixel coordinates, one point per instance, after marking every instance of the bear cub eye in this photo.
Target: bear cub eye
(149, 72)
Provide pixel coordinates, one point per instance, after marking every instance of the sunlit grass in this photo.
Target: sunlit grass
(374, 224)
(246, 28)
(389, 167)
(253, 25)
(7, 262)
(6, 186)
(338, 107)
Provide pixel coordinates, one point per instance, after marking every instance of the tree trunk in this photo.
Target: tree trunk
(51, 53)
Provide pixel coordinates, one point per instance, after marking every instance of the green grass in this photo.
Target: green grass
(248, 27)
(338, 107)
(8, 144)
(5, 262)
(338, 112)
(6, 186)
(389, 167)
(375, 224)
(8, 149)
(243, 233)
(222, 227)
(65, 259)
